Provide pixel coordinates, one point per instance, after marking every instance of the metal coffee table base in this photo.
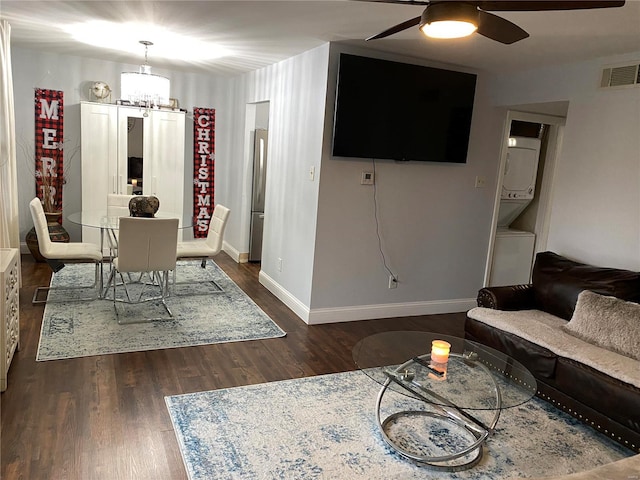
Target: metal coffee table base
(445, 412)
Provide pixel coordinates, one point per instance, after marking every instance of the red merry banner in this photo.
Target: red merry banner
(204, 148)
(49, 148)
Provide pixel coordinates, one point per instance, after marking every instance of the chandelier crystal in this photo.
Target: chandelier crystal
(144, 87)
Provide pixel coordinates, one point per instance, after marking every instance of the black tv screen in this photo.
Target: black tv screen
(400, 111)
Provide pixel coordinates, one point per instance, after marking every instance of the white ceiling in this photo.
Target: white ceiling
(262, 32)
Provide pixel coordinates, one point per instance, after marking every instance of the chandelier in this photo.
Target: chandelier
(143, 87)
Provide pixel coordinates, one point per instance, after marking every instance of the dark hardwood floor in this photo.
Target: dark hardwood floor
(104, 417)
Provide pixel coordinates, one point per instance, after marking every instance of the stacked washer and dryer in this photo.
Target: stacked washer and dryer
(513, 249)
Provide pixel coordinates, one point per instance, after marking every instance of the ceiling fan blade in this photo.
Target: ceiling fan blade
(499, 29)
(397, 28)
(540, 5)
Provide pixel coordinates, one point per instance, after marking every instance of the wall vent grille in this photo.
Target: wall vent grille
(621, 76)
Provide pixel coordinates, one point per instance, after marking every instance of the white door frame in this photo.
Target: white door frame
(247, 175)
(556, 124)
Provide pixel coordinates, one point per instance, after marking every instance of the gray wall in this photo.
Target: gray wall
(595, 215)
(435, 226)
(74, 75)
(295, 89)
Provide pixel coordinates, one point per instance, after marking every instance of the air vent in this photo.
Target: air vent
(622, 76)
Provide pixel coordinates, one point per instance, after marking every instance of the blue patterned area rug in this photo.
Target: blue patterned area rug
(324, 428)
(84, 328)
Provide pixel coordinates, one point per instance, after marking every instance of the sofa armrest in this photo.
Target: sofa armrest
(512, 297)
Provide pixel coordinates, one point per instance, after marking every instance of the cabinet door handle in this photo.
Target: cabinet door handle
(113, 184)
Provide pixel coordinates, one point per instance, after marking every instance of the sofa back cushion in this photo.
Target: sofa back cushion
(607, 322)
(557, 282)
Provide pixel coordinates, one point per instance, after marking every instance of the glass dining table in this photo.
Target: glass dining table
(109, 224)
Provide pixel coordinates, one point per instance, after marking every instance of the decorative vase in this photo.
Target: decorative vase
(144, 206)
(57, 233)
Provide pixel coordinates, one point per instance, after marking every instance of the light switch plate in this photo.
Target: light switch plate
(367, 178)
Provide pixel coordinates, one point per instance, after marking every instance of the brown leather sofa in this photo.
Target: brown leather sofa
(597, 399)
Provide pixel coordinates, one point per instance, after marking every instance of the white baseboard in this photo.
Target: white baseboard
(363, 312)
(284, 296)
(236, 255)
(369, 312)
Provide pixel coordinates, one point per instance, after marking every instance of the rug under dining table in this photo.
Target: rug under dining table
(202, 316)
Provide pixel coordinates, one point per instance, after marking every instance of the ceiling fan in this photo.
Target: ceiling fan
(466, 17)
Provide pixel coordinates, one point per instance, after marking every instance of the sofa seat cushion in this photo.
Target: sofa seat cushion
(545, 330)
(607, 322)
(538, 360)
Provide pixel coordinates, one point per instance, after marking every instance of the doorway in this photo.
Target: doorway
(259, 133)
(520, 226)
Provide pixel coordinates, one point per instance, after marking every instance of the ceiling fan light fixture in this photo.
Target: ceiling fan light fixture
(449, 20)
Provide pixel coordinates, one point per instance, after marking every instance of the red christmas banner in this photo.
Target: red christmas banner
(49, 148)
(204, 149)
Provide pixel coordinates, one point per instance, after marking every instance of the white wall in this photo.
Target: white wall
(295, 89)
(74, 75)
(434, 224)
(595, 216)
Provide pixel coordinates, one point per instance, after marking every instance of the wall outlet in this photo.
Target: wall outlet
(393, 281)
(279, 264)
(480, 182)
(367, 178)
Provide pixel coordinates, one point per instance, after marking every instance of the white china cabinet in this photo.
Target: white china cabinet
(128, 150)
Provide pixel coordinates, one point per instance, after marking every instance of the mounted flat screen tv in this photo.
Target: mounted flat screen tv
(400, 111)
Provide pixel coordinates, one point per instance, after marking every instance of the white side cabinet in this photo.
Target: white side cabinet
(122, 145)
(9, 309)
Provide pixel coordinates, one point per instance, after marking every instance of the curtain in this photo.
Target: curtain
(9, 220)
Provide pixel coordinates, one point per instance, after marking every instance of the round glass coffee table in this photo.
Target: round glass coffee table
(440, 412)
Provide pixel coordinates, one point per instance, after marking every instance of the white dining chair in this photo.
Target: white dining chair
(209, 247)
(117, 206)
(146, 246)
(72, 252)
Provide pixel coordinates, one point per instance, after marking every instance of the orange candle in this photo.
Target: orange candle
(440, 351)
